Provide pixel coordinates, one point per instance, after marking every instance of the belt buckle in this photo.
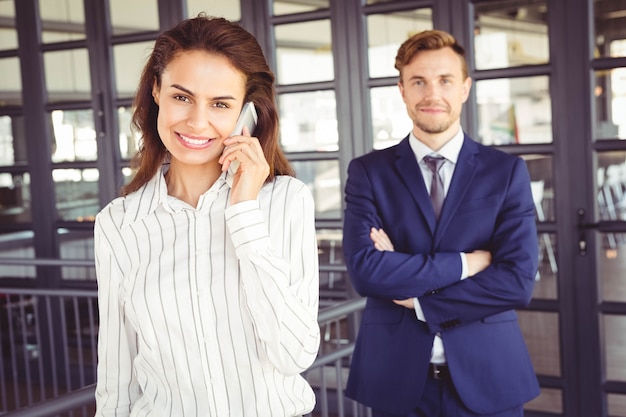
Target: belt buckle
(437, 372)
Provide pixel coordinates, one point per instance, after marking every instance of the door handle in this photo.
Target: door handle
(583, 226)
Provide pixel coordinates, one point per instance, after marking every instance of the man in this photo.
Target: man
(439, 335)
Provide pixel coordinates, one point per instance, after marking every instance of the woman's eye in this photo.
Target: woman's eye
(221, 105)
(181, 98)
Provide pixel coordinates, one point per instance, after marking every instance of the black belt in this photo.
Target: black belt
(439, 371)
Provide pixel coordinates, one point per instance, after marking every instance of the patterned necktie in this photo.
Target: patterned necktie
(436, 186)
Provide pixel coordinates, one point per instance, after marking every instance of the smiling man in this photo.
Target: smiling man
(440, 236)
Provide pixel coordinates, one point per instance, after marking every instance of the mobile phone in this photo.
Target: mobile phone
(248, 117)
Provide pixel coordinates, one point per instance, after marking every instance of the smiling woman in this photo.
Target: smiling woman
(204, 303)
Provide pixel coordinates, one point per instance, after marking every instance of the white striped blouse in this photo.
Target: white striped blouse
(207, 311)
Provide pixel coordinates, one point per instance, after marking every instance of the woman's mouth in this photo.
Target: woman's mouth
(194, 142)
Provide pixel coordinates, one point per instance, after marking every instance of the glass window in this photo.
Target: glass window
(549, 400)
(610, 33)
(514, 110)
(10, 82)
(129, 139)
(17, 245)
(8, 34)
(541, 333)
(308, 121)
(76, 193)
(231, 9)
(322, 178)
(67, 75)
(611, 267)
(62, 20)
(15, 198)
(390, 121)
(77, 245)
(546, 284)
(385, 34)
(611, 183)
(133, 16)
(74, 136)
(298, 6)
(542, 185)
(616, 404)
(304, 52)
(12, 141)
(510, 33)
(129, 60)
(614, 335)
(610, 104)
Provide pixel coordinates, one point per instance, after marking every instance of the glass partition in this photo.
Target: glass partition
(308, 121)
(12, 141)
(322, 178)
(67, 75)
(304, 52)
(610, 31)
(510, 33)
(129, 139)
(133, 16)
(129, 60)
(10, 81)
(614, 334)
(231, 9)
(390, 121)
(8, 34)
(300, 6)
(385, 34)
(19, 245)
(76, 193)
(62, 20)
(610, 104)
(15, 198)
(74, 137)
(514, 110)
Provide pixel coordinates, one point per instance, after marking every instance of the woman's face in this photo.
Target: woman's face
(200, 97)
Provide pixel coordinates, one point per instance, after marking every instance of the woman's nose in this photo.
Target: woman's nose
(198, 118)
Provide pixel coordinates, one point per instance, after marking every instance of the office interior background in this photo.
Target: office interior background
(549, 85)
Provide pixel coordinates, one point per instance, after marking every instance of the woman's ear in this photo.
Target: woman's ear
(155, 92)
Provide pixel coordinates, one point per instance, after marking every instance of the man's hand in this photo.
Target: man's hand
(381, 240)
(383, 243)
(477, 261)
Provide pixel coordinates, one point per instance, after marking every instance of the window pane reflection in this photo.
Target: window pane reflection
(322, 178)
(17, 245)
(133, 16)
(549, 400)
(514, 111)
(129, 140)
(74, 136)
(308, 121)
(300, 6)
(511, 33)
(542, 185)
(610, 104)
(614, 334)
(15, 198)
(77, 245)
(62, 20)
(390, 121)
(612, 266)
(304, 52)
(76, 193)
(541, 333)
(610, 36)
(385, 34)
(611, 182)
(129, 60)
(10, 82)
(616, 404)
(12, 140)
(546, 285)
(67, 75)
(8, 34)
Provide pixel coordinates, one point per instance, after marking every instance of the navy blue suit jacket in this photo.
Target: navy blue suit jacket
(488, 206)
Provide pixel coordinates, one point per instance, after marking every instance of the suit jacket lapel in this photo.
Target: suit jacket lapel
(410, 173)
(461, 180)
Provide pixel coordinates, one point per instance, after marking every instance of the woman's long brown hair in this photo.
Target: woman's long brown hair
(218, 36)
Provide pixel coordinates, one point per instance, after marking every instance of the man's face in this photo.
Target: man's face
(434, 89)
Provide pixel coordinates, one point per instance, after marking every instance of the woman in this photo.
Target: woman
(208, 281)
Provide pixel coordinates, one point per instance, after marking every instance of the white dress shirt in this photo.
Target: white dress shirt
(207, 311)
(450, 151)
